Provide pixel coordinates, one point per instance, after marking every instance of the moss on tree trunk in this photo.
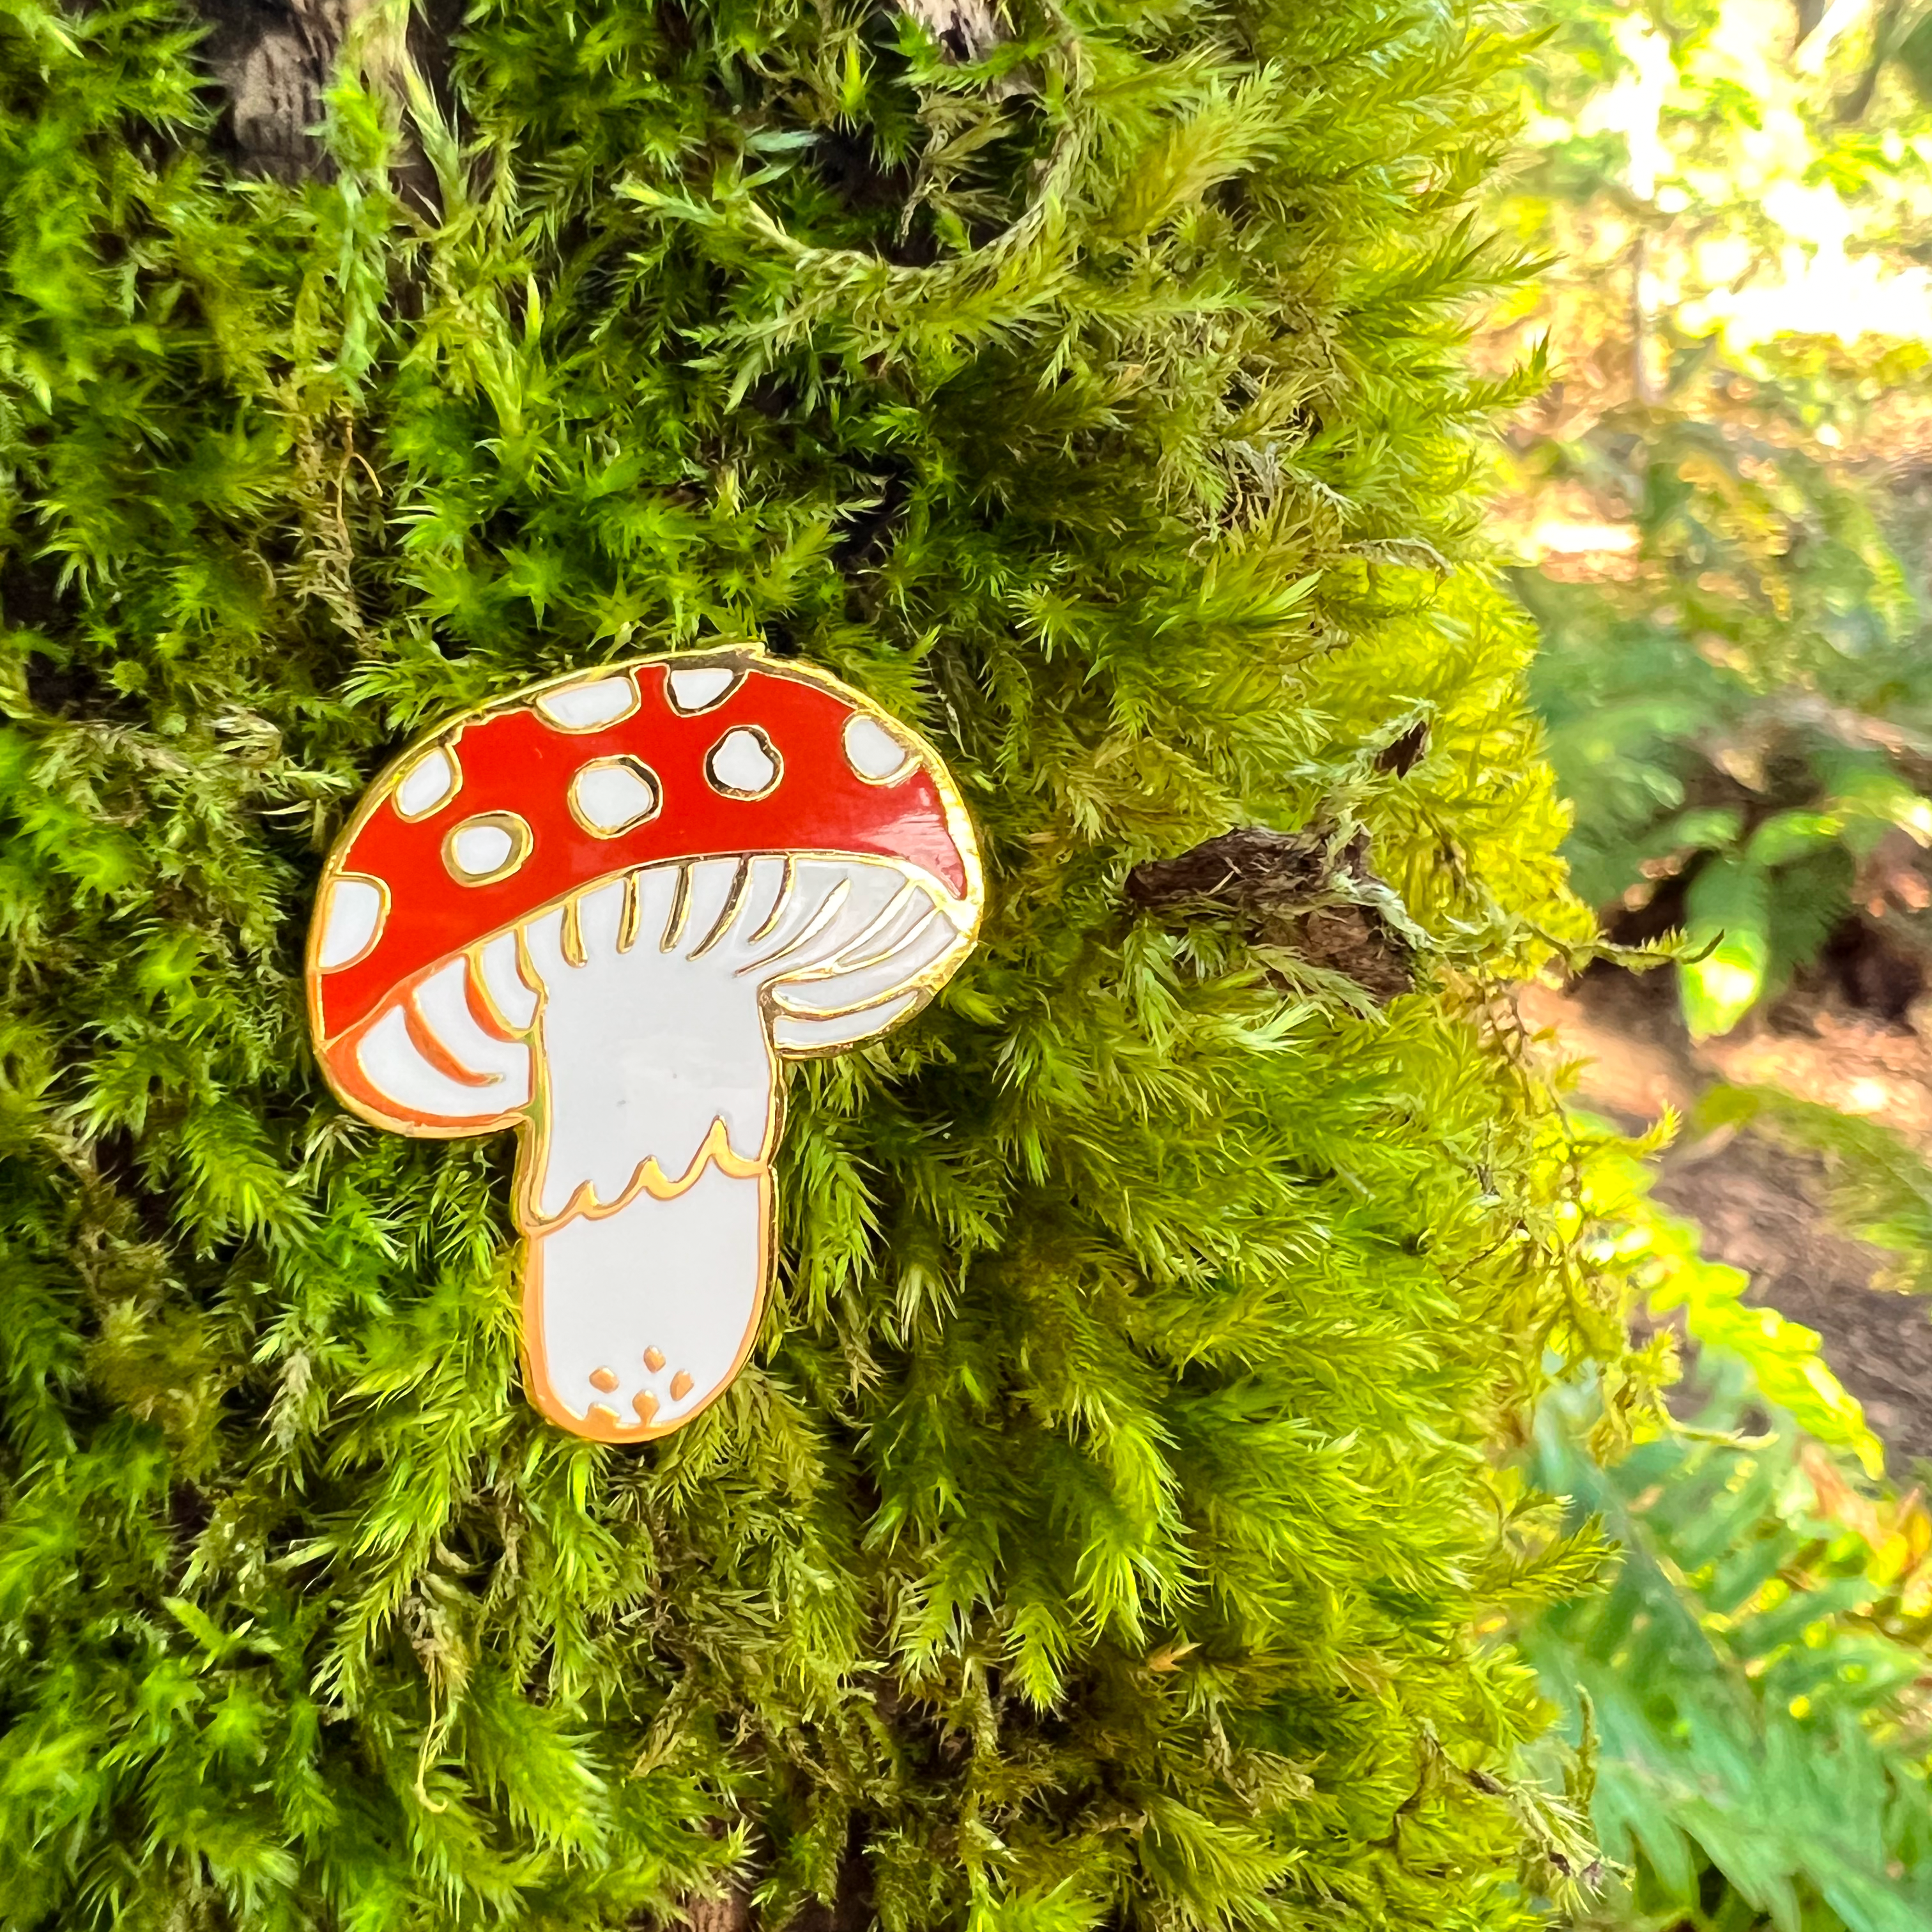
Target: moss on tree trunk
(1098, 1532)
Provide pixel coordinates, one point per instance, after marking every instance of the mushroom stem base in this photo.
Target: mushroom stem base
(634, 1321)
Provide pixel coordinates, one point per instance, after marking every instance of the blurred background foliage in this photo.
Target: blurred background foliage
(1719, 515)
(1720, 510)
(1752, 1690)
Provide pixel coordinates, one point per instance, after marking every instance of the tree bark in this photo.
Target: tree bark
(967, 30)
(1288, 892)
(274, 60)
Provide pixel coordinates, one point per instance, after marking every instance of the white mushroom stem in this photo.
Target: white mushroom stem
(651, 1013)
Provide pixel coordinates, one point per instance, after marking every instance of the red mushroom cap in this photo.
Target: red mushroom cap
(781, 759)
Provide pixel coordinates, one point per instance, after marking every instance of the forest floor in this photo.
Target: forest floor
(1759, 1204)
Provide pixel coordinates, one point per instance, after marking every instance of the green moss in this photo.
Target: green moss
(1096, 1536)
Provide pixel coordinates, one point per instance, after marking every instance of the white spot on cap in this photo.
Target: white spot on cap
(584, 707)
(354, 921)
(609, 796)
(489, 846)
(873, 752)
(743, 763)
(427, 783)
(702, 688)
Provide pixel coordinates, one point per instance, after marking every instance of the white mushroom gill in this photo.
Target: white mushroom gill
(649, 1015)
(432, 1058)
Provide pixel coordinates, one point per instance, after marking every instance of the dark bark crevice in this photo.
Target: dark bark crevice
(1294, 893)
(273, 61)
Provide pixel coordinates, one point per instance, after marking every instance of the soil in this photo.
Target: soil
(1760, 1205)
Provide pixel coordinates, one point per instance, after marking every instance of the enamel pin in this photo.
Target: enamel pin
(602, 911)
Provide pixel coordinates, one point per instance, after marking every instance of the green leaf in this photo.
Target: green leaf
(1785, 835)
(1728, 904)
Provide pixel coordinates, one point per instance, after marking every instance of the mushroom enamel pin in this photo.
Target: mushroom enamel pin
(602, 911)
